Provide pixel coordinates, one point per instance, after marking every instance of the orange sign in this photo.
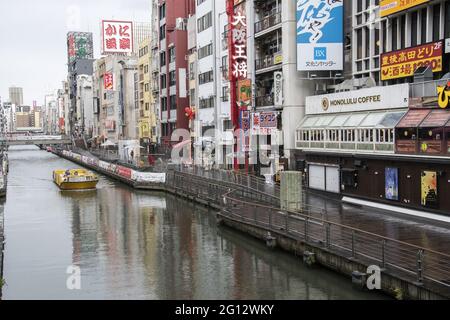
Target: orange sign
(403, 63)
(388, 7)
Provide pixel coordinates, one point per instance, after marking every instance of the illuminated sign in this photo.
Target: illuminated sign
(403, 63)
(117, 37)
(444, 96)
(320, 35)
(388, 7)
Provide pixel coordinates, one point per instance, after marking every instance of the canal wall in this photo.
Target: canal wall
(392, 284)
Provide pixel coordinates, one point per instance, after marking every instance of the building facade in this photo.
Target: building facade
(384, 140)
(16, 96)
(173, 94)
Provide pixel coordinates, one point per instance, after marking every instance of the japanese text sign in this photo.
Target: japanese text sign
(117, 36)
(403, 63)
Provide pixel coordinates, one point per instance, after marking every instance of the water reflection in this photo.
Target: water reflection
(138, 245)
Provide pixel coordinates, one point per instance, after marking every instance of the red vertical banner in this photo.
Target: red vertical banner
(237, 52)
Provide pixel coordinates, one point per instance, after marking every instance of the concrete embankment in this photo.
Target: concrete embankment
(202, 191)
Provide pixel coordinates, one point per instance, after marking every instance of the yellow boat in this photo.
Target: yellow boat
(75, 179)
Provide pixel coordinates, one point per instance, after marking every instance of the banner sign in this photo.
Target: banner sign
(320, 35)
(388, 7)
(117, 37)
(245, 125)
(391, 184)
(278, 89)
(244, 93)
(264, 123)
(429, 196)
(403, 63)
(79, 46)
(108, 81)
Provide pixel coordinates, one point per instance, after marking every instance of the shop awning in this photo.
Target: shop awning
(436, 119)
(382, 119)
(413, 118)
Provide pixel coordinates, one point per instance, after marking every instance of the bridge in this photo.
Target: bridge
(21, 140)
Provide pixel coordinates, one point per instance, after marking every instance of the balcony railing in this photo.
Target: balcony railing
(264, 101)
(268, 61)
(268, 22)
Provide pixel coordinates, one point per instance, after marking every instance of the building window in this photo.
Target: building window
(205, 103)
(146, 87)
(164, 104)
(414, 23)
(172, 54)
(173, 102)
(225, 94)
(162, 32)
(403, 32)
(204, 22)
(436, 22)
(192, 71)
(147, 106)
(205, 51)
(172, 78)
(162, 59)
(162, 11)
(447, 20)
(205, 77)
(423, 27)
(192, 97)
(394, 34)
(163, 81)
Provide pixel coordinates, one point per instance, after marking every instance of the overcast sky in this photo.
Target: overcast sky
(33, 50)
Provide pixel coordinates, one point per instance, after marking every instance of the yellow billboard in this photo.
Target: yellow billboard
(403, 63)
(388, 7)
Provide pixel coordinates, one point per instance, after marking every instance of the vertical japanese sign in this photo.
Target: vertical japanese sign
(108, 81)
(320, 35)
(403, 63)
(117, 37)
(278, 88)
(237, 46)
(79, 46)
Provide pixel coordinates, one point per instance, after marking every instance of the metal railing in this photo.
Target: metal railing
(426, 89)
(245, 199)
(266, 62)
(268, 22)
(416, 263)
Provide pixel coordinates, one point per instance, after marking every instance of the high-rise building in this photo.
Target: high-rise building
(16, 96)
(173, 15)
(144, 94)
(141, 32)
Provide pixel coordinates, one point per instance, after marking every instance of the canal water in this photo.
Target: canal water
(138, 245)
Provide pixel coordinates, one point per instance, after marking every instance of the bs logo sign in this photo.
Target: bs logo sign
(320, 53)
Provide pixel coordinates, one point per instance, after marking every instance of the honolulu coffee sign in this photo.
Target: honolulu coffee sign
(375, 98)
(352, 101)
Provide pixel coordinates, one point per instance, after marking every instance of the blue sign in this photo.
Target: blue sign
(320, 35)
